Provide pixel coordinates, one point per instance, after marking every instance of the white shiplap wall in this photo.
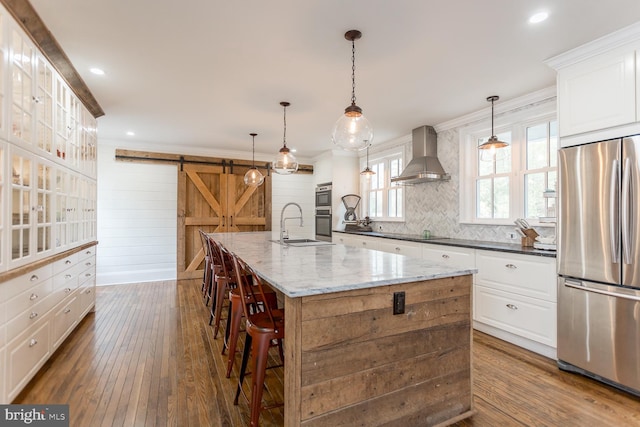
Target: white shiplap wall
(137, 223)
(136, 219)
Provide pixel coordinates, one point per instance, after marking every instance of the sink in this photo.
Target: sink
(302, 242)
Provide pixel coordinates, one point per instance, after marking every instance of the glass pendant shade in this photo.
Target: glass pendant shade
(253, 177)
(285, 162)
(352, 130)
(491, 150)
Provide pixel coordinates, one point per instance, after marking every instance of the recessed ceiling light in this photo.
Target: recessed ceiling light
(538, 17)
(97, 71)
(131, 133)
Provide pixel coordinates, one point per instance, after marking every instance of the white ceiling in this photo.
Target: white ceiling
(203, 74)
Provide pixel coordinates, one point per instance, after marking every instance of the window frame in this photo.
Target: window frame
(365, 183)
(517, 122)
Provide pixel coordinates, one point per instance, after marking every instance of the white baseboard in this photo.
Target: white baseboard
(136, 276)
(530, 345)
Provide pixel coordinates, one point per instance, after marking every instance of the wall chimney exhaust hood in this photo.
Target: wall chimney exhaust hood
(425, 166)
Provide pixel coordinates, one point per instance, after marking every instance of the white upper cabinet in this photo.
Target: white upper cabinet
(597, 93)
(599, 88)
(21, 65)
(44, 106)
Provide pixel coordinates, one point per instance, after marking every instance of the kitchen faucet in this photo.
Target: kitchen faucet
(283, 232)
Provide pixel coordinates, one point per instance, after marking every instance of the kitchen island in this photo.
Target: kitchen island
(349, 360)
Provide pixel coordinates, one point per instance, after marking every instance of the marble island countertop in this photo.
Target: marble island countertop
(474, 244)
(311, 270)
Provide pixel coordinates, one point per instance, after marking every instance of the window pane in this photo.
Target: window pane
(503, 164)
(484, 168)
(534, 200)
(484, 200)
(553, 144)
(395, 203)
(501, 197)
(537, 146)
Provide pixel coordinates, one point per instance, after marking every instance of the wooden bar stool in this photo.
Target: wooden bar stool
(263, 327)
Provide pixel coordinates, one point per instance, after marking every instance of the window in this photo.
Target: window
(384, 201)
(501, 190)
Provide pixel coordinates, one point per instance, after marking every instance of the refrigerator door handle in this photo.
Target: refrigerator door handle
(613, 203)
(624, 206)
(583, 287)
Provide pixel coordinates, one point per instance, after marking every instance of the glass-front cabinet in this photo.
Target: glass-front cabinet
(48, 149)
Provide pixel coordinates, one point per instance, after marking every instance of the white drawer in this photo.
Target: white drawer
(3, 374)
(400, 247)
(65, 263)
(24, 320)
(86, 298)
(449, 255)
(532, 276)
(28, 299)
(13, 287)
(64, 320)
(527, 317)
(25, 356)
(87, 253)
(85, 266)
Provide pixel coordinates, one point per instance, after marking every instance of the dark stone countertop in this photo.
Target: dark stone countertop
(473, 244)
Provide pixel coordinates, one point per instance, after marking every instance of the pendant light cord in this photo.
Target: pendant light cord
(353, 72)
(253, 151)
(284, 136)
(492, 131)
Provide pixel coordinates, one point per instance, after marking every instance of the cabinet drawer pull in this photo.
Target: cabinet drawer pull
(67, 311)
(511, 266)
(397, 249)
(67, 262)
(68, 276)
(87, 264)
(33, 342)
(33, 315)
(512, 306)
(445, 256)
(364, 243)
(33, 297)
(34, 277)
(87, 275)
(67, 290)
(88, 291)
(88, 253)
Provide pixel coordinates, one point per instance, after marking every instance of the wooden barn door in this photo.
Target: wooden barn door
(214, 200)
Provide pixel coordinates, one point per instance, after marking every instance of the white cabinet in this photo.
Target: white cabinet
(356, 240)
(449, 255)
(401, 247)
(598, 93)
(39, 309)
(516, 293)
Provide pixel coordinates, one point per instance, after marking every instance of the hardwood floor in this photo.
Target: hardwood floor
(147, 358)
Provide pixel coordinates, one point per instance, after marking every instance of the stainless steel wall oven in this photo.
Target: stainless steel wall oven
(323, 212)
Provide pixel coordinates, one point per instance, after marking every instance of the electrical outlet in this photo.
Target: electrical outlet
(398, 303)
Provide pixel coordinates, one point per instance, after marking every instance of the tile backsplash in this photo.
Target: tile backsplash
(435, 205)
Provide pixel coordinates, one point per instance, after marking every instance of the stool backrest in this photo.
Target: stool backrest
(251, 287)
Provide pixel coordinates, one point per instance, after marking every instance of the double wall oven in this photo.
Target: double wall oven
(323, 212)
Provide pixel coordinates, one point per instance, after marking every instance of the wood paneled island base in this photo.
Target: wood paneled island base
(350, 361)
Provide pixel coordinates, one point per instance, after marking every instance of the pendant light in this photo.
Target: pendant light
(253, 177)
(491, 149)
(285, 162)
(367, 172)
(352, 131)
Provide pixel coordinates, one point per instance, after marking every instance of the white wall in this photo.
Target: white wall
(137, 223)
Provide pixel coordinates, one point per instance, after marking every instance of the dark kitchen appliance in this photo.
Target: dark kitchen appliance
(323, 216)
(599, 261)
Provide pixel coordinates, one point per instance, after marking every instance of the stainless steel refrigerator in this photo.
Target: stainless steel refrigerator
(599, 261)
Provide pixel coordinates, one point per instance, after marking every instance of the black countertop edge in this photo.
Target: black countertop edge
(472, 244)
